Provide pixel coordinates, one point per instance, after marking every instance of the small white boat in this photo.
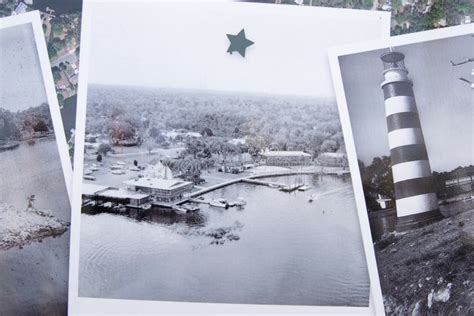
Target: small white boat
(134, 168)
(240, 202)
(90, 178)
(179, 209)
(118, 172)
(272, 185)
(219, 203)
(107, 205)
(94, 168)
(304, 188)
(87, 172)
(146, 206)
(191, 208)
(116, 167)
(120, 163)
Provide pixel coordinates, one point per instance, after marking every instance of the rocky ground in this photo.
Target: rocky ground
(429, 271)
(19, 227)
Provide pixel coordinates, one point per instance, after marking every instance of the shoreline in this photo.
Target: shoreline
(23, 227)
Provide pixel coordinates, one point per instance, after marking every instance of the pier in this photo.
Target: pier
(114, 195)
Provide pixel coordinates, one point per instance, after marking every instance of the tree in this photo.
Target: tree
(52, 51)
(377, 179)
(135, 163)
(99, 158)
(40, 126)
(104, 149)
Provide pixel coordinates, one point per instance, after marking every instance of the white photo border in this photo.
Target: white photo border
(33, 18)
(334, 54)
(95, 306)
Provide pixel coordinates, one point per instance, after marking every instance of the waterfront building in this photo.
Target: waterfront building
(286, 158)
(332, 159)
(415, 193)
(160, 190)
(102, 193)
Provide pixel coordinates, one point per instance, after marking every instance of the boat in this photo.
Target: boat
(90, 178)
(107, 205)
(273, 185)
(146, 206)
(291, 188)
(118, 172)
(312, 197)
(87, 172)
(179, 209)
(191, 208)
(304, 188)
(120, 163)
(94, 168)
(116, 167)
(239, 202)
(134, 168)
(219, 203)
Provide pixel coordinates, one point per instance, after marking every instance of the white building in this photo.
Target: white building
(161, 190)
(286, 158)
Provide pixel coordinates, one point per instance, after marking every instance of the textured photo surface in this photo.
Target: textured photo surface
(410, 109)
(213, 166)
(34, 203)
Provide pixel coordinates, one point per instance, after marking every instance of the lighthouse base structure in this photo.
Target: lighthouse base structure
(405, 223)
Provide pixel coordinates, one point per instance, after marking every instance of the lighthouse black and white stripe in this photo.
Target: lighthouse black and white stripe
(416, 199)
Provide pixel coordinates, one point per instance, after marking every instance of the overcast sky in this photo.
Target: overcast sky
(183, 45)
(21, 82)
(445, 103)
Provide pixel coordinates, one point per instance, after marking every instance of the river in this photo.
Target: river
(289, 251)
(34, 279)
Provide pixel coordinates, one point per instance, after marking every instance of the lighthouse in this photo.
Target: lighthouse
(415, 194)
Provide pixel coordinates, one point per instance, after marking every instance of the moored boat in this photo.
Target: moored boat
(304, 188)
(219, 203)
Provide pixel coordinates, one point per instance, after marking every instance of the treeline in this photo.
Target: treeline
(377, 179)
(284, 123)
(22, 124)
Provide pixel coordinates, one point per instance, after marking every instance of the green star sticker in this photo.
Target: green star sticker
(238, 43)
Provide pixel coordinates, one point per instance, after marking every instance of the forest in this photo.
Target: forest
(284, 123)
(20, 125)
(145, 116)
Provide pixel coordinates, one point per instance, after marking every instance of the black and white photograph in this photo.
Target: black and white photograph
(211, 161)
(35, 175)
(406, 108)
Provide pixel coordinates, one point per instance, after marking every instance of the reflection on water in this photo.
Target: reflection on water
(278, 249)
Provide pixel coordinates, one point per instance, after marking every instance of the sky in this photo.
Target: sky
(445, 103)
(21, 81)
(183, 45)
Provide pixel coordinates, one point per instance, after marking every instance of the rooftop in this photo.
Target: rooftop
(155, 183)
(91, 189)
(286, 154)
(332, 155)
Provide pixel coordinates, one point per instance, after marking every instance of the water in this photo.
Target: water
(290, 251)
(34, 279)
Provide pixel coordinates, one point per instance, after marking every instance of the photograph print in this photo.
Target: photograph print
(35, 172)
(213, 167)
(409, 104)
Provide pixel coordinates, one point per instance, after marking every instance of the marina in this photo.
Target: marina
(236, 239)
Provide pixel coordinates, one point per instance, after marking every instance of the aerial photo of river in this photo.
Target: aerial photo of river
(277, 249)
